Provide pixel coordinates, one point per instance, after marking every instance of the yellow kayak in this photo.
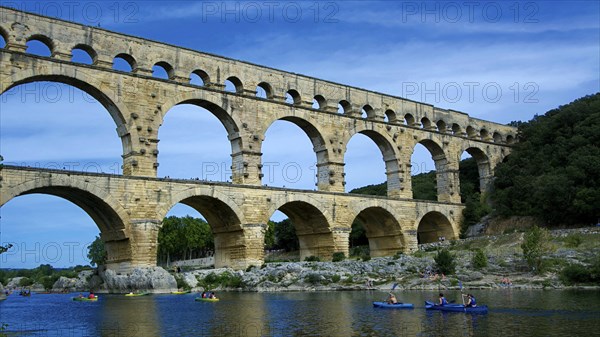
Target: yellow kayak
(181, 292)
(138, 294)
(200, 299)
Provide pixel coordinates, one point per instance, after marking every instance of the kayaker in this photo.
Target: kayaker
(442, 300)
(203, 294)
(91, 296)
(391, 299)
(471, 302)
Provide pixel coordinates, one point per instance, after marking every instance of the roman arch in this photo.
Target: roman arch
(129, 208)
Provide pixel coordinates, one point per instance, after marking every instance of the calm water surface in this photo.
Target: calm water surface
(512, 313)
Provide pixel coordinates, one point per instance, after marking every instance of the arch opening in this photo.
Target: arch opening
(434, 227)
(319, 102)
(425, 123)
(409, 120)
(367, 112)
(430, 184)
(382, 231)
(3, 39)
(57, 136)
(162, 70)
(390, 116)
(83, 53)
(40, 45)
(441, 126)
(53, 218)
(510, 139)
(199, 77)
(124, 62)
(292, 169)
(484, 134)
(360, 162)
(497, 137)
(234, 84)
(311, 228)
(264, 90)
(292, 96)
(471, 133)
(456, 130)
(344, 107)
(475, 174)
(200, 226)
(192, 125)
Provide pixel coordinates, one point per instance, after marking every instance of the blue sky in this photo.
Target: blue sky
(521, 58)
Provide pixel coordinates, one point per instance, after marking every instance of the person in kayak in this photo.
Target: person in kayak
(91, 296)
(471, 302)
(442, 300)
(391, 299)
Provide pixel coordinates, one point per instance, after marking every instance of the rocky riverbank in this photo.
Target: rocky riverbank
(408, 271)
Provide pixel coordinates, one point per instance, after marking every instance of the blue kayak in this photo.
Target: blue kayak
(480, 309)
(393, 306)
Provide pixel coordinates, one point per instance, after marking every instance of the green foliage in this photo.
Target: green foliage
(313, 278)
(48, 281)
(553, 172)
(184, 238)
(338, 256)
(270, 235)
(285, 236)
(424, 186)
(573, 240)
(359, 251)
(398, 254)
(366, 257)
(181, 283)
(419, 254)
(444, 261)
(358, 236)
(312, 258)
(379, 189)
(575, 274)
(536, 245)
(4, 249)
(336, 278)
(225, 279)
(475, 209)
(479, 259)
(97, 252)
(25, 282)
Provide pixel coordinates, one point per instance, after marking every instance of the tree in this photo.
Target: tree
(553, 172)
(285, 236)
(270, 235)
(97, 252)
(444, 261)
(536, 245)
(4, 249)
(184, 238)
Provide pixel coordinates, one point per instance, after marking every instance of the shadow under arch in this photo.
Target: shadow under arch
(312, 228)
(224, 221)
(433, 226)
(382, 230)
(392, 168)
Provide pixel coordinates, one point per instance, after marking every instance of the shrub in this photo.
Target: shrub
(312, 258)
(479, 259)
(313, 278)
(575, 274)
(338, 256)
(336, 278)
(359, 251)
(25, 282)
(366, 257)
(535, 246)
(444, 261)
(573, 240)
(419, 253)
(398, 255)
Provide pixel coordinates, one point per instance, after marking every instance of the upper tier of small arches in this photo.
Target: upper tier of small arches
(147, 58)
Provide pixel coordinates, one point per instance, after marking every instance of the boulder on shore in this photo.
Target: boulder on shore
(151, 279)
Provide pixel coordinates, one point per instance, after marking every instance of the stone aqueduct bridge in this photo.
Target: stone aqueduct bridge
(129, 208)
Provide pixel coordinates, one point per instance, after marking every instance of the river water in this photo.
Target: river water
(511, 313)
